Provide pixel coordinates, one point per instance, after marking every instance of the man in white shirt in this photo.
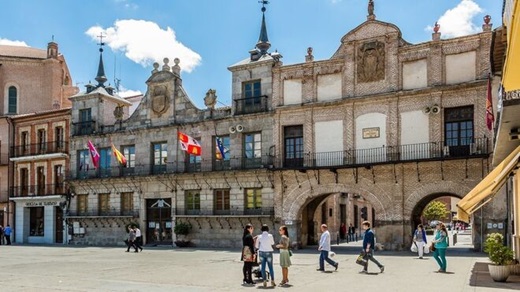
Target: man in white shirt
(139, 238)
(324, 249)
(264, 244)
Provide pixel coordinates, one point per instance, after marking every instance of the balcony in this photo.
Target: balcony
(40, 149)
(250, 105)
(83, 128)
(38, 190)
(232, 211)
(99, 213)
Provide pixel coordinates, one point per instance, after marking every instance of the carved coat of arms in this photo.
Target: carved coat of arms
(371, 62)
(160, 99)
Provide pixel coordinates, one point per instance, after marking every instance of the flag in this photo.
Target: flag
(120, 157)
(219, 149)
(490, 117)
(93, 154)
(189, 144)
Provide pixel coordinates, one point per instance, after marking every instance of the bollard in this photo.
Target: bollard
(454, 238)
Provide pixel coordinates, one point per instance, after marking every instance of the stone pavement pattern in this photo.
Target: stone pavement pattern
(53, 268)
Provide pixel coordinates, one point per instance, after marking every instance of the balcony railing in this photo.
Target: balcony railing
(83, 128)
(348, 158)
(232, 211)
(250, 105)
(37, 190)
(99, 213)
(40, 149)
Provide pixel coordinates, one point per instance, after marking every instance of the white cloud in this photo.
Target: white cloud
(457, 21)
(123, 92)
(144, 42)
(7, 42)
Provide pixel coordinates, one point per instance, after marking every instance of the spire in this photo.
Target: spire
(263, 41)
(101, 78)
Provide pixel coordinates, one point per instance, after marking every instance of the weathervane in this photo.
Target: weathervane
(264, 2)
(101, 43)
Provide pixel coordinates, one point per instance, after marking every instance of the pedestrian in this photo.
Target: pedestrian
(138, 238)
(419, 239)
(342, 231)
(264, 244)
(1, 235)
(248, 254)
(7, 234)
(368, 247)
(131, 239)
(440, 242)
(351, 232)
(285, 257)
(324, 249)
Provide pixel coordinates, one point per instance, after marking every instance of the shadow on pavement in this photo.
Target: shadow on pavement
(480, 278)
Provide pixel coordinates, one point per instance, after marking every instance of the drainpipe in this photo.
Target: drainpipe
(10, 176)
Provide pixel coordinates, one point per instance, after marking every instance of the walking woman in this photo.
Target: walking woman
(440, 242)
(419, 239)
(285, 257)
(248, 254)
(264, 244)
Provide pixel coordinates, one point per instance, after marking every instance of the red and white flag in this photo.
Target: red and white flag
(189, 144)
(94, 154)
(490, 117)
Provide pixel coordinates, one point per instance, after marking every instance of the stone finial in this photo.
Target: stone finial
(176, 69)
(487, 23)
(371, 15)
(155, 67)
(309, 57)
(211, 99)
(436, 35)
(166, 67)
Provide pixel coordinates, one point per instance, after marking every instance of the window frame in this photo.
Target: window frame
(256, 206)
(12, 100)
(225, 206)
(192, 205)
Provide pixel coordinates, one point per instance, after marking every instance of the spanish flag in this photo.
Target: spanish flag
(120, 157)
(189, 144)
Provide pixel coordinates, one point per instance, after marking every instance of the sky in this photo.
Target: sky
(208, 36)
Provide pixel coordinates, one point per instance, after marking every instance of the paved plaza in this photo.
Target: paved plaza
(58, 268)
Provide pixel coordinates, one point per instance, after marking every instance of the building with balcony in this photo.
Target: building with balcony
(40, 158)
(32, 80)
(374, 133)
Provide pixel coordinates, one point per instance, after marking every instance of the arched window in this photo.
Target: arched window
(13, 98)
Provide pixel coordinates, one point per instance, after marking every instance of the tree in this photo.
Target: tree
(435, 210)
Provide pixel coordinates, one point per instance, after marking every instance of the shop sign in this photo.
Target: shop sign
(41, 203)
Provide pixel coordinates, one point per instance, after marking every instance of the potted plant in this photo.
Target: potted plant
(182, 229)
(501, 257)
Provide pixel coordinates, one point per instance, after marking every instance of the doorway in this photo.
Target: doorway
(59, 225)
(159, 221)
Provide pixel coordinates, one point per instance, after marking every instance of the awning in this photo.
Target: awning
(488, 187)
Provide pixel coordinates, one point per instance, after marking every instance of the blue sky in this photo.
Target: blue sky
(208, 36)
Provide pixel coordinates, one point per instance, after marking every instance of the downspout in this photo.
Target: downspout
(10, 173)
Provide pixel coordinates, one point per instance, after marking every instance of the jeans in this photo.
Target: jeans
(370, 256)
(324, 256)
(440, 256)
(266, 257)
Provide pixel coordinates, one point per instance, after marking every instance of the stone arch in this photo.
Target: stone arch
(447, 187)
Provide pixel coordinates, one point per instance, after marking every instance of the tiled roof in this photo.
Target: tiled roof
(22, 52)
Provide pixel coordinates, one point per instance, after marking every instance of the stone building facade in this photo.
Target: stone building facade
(375, 132)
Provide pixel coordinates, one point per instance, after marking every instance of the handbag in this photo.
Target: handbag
(361, 259)
(247, 255)
(290, 253)
(432, 247)
(413, 248)
(426, 249)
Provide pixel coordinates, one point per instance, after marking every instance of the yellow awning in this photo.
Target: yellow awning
(488, 187)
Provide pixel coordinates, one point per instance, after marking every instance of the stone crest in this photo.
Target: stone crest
(160, 99)
(211, 99)
(118, 112)
(371, 62)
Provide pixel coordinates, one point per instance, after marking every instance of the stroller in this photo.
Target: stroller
(257, 272)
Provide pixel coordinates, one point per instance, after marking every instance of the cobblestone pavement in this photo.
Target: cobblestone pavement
(59, 268)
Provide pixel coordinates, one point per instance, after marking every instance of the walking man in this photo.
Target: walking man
(351, 232)
(131, 239)
(7, 234)
(324, 249)
(138, 238)
(368, 247)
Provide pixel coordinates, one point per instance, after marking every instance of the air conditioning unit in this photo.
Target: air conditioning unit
(426, 110)
(232, 129)
(435, 109)
(239, 128)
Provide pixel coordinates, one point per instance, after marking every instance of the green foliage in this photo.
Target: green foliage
(435, 210)
(498, 253)
(182, 228)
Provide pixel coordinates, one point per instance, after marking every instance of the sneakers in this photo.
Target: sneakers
(265, 284)
(382, 269)
(336, 267)
(273, 283)
(363, 272)
(321, 270)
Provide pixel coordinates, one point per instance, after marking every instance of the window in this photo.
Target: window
(104, 161)
(85, 122)
(58, 134)
(252, 93)
(40, 180)
(222, 153)
(160, 157)
(24, 181)
(84, 163)
(12, 100)
(58, 179)
(458, 130)
(42, 140)
(82, 204)
(194, 160)
(253, 201)
(129, 154)
(293, 143)
(253, 150)
(103, 204)
(193, 202)
(24, 142)
(221, 202)
(127, 203)
(36, 221)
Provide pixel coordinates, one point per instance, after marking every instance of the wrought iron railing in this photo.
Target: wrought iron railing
(40, 149)
(38, 190)
(102, 213)
(232, 211)
(83, 128)
(254, 104)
